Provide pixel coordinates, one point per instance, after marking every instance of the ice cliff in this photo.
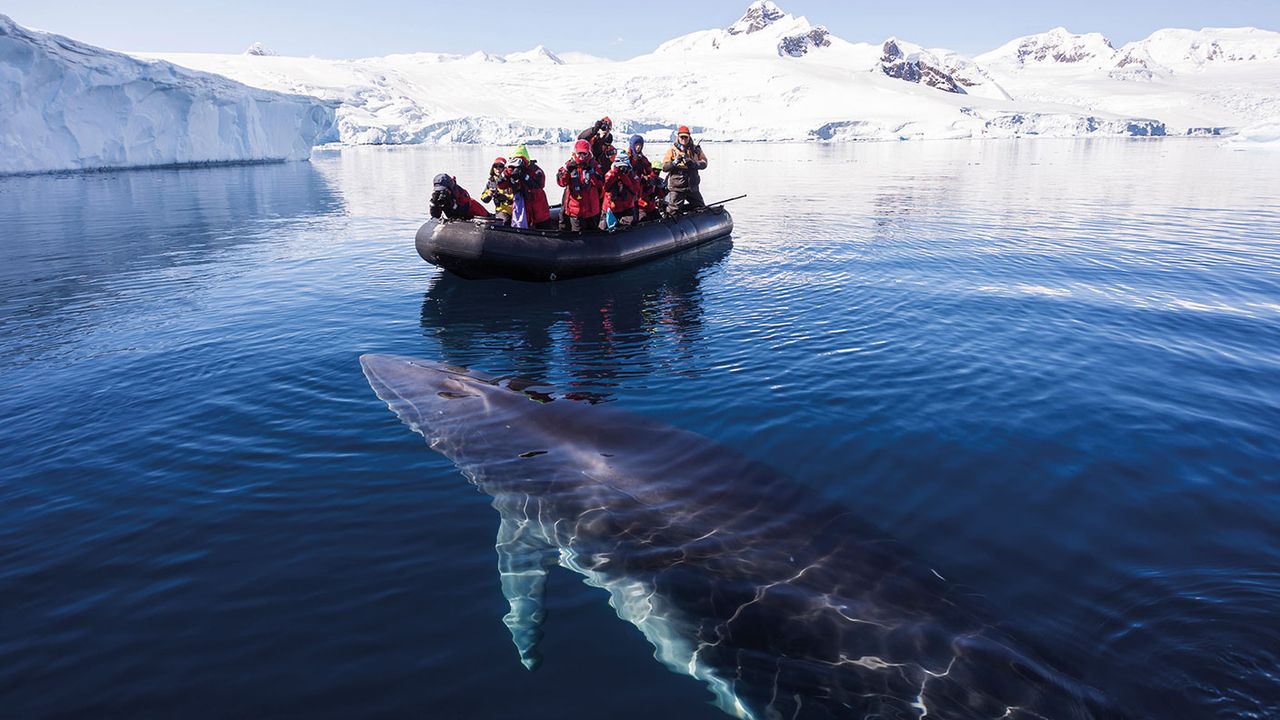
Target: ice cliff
(72, 106)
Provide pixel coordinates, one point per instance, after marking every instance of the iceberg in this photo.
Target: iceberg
(73, 106)
(1263, 134)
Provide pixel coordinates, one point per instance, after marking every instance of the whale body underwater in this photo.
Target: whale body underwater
(784, 604)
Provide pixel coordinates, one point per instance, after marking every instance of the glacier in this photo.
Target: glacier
(73, 106)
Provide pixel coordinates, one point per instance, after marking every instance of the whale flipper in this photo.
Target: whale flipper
(523, 562)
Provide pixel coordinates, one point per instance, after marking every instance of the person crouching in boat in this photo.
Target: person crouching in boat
(527, 183)
(451, 202)
(498, 192)
(651, 192)
(583, 184)
(681, 163)
(621, 190)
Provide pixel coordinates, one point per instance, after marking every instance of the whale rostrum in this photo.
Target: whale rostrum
(784, 604)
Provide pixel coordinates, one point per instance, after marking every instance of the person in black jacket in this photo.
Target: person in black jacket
(600, 135)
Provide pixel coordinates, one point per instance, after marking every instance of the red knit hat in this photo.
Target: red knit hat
(582, 146)
(682, 130)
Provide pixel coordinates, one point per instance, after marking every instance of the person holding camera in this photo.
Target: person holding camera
(498, 192)
(682, 163)
(583, 184)
(600, 135)
(621, 191)
(526, 182)
(651, 190)
(451, 202)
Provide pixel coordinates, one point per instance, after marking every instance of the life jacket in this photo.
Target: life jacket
(583, 189)
(532, 185)
(685, 178)
(622, 189)
(498, 192)
(650, 185)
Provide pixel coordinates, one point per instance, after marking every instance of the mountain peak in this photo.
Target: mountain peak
(1058, 46)
(539, 54)
(758, 16)
(261, 50)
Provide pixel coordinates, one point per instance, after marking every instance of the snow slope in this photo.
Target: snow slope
(771, 75)
(71, 106)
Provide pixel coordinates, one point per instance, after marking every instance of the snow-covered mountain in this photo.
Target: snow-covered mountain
(71, 106)
(1196, 81)
(764, 27)
(771, 75)
(941, 69)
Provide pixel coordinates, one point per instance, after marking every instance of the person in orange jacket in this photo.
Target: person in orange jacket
(583, 182)
(683, 161)
(621, 192)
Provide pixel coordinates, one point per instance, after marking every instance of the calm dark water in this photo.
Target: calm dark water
(1051, 368)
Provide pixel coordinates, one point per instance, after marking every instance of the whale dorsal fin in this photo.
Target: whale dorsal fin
(523, 560)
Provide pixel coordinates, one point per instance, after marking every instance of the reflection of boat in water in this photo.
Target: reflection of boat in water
(598, 331)
(480, 249)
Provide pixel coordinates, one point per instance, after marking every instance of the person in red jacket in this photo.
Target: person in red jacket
(621, 191)
(450, 202)
(583, 184)
(527, 184)
(651, 191)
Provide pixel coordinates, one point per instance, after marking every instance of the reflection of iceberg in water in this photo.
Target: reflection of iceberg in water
(89, 240)
(599, 330)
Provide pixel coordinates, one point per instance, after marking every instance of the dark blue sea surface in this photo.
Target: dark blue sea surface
(1050, 368)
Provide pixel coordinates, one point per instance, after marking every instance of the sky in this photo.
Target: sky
(326, 28)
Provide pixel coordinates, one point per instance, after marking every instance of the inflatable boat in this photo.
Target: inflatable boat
(480, 249)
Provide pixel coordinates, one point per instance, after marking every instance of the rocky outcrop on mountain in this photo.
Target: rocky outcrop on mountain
(897, 64)
(800, 44)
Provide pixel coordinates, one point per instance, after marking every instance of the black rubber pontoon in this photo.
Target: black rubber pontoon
(479, 249)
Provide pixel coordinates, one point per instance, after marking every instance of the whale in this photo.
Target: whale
(783, 603)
